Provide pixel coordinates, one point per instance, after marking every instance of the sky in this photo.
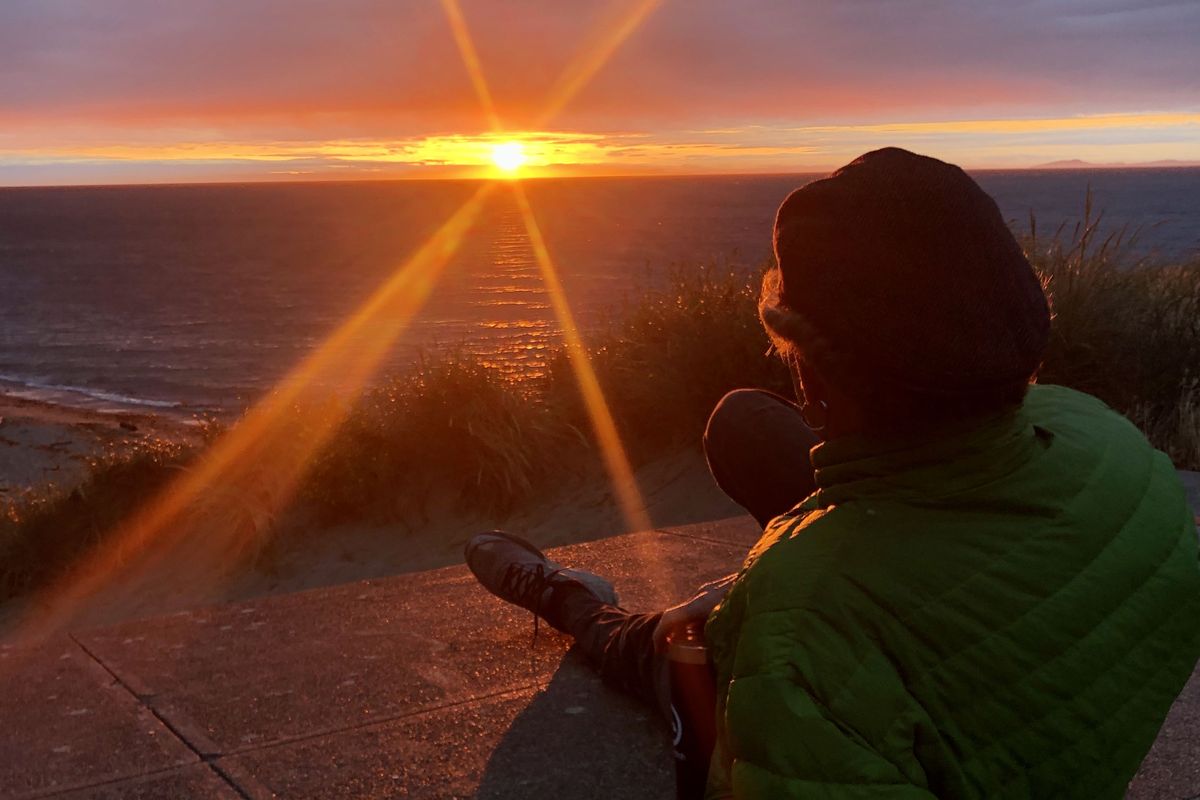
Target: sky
(143, 91)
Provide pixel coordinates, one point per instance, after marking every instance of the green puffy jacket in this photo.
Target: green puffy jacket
(1003, 611)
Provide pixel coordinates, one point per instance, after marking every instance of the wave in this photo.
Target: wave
(77, 396)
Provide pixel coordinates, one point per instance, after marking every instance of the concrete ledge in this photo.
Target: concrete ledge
(420, 685)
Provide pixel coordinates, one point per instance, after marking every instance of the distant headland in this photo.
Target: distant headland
(1078, 163)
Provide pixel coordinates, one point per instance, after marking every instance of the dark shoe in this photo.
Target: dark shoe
(514, 570)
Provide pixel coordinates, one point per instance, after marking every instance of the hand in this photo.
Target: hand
(697, 609)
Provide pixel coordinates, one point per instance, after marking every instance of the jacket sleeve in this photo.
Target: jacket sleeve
(780, 743)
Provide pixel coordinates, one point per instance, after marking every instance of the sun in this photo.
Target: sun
(509, 156)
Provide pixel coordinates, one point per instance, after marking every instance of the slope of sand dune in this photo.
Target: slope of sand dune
(49, 445)
(678, 490)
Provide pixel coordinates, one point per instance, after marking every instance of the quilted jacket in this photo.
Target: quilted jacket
(1006, 610)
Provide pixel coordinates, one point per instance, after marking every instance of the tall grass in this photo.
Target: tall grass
(43, 532)
(450, 425)
(1125, 330)
(665, 361)
(453, 426)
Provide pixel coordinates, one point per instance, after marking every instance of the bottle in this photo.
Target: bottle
(693, 709)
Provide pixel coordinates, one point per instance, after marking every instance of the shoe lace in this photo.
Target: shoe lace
(523, 583)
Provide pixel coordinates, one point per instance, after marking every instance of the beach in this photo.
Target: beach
(48, 447)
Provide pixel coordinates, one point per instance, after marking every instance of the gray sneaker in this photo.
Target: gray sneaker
(515, 570)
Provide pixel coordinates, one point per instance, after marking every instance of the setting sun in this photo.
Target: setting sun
(509, 156)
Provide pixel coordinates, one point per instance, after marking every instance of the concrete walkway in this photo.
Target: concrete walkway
(417, 686)
(421, 685)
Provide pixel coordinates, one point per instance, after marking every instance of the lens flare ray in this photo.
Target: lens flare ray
(578, 73)
(633, 507)
(588, 62)
(201, 523)
(470, 57)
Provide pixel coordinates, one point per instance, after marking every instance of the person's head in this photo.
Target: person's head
(900, 298)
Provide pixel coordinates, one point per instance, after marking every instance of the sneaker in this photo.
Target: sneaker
(514, 570)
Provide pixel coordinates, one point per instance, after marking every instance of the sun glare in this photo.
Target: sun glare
(509, 156)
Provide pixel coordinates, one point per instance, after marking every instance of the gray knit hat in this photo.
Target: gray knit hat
(899, 271)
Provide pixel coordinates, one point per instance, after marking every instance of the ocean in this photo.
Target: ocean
(198, 298)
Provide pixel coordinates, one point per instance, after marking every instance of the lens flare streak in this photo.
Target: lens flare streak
(211, 518)
(611, 449)
(470, 57)
(591, 60)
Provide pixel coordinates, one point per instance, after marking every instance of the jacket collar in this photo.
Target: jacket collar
(943, 461)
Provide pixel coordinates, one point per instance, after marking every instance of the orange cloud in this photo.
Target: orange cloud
(752, 148)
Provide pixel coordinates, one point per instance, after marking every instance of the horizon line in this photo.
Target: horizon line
(1069, 165)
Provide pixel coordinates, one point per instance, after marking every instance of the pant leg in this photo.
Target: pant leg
(618, 642)
(757, 446)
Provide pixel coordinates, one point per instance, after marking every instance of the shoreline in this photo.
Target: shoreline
(48, 446)
(98, 401)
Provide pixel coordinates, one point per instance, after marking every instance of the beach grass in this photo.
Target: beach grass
(1125, 329)
(451, 425)
(44, 531)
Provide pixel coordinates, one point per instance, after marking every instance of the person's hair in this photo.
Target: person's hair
(886, 404)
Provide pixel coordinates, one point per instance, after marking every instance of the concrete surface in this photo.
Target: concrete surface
(418, 686)
(71, 724)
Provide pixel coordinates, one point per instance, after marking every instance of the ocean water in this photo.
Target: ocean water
(199, 298)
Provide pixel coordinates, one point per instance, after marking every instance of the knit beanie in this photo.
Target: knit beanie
(898, 271)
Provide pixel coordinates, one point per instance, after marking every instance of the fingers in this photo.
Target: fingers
(665, 624)
(719, 583)
(697, 609)
(660, 637)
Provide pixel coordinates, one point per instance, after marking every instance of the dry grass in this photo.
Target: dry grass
(451, 424)
(1126, 330)
(44, 532)
(1175, 429)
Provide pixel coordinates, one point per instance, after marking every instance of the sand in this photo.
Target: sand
(678, 490)
(43, 445)
(47, 446)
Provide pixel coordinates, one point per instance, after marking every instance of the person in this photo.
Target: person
(968, 585)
